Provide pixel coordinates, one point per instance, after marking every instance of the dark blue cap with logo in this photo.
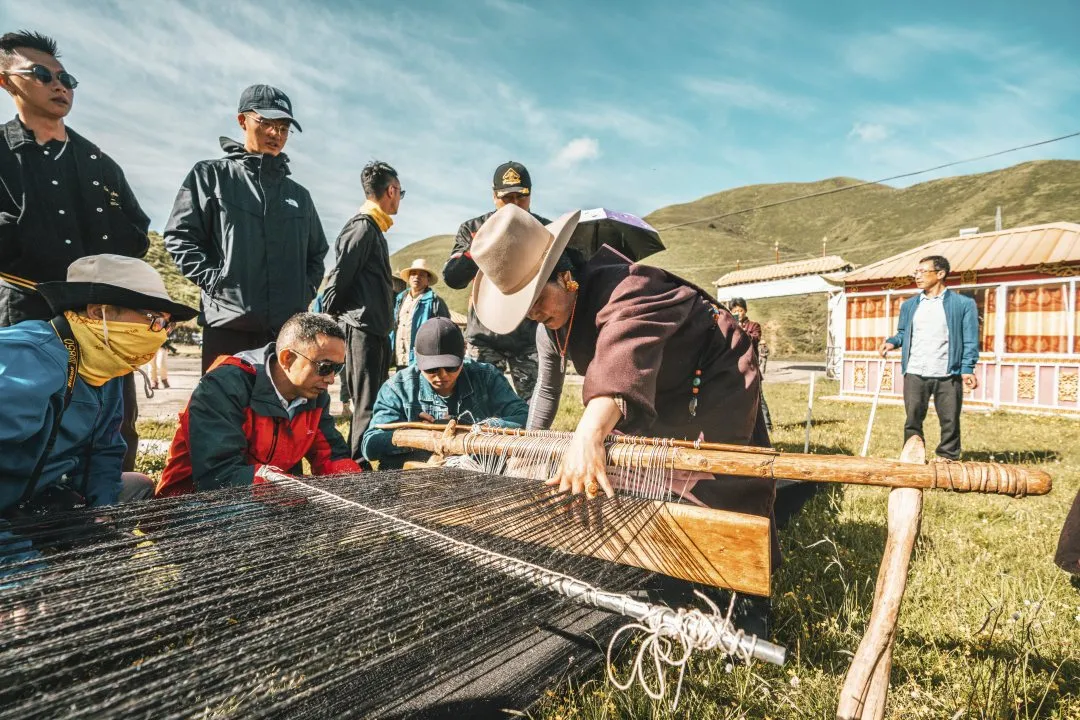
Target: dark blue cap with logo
(269, 102)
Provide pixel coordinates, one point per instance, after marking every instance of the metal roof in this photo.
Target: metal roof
(1021, 247)
(796, 268)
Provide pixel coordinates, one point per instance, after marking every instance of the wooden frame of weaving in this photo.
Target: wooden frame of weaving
(866, 685)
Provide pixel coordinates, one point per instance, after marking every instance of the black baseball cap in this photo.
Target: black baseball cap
(439, 344)
(269, 102)
(511, 177)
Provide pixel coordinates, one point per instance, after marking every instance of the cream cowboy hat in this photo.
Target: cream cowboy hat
(516, 254)
(419, 264)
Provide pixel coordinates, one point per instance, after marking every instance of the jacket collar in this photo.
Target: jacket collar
(264, 396)
(255, 162)
(463, 389)
(17, 135)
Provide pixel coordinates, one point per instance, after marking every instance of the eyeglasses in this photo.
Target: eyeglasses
(324, 367)
(281, 127)
(921, 271)
(157, 322)
(45, 76)
(400, 191)
(449, 370)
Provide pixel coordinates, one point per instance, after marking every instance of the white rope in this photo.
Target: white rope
(693, 630)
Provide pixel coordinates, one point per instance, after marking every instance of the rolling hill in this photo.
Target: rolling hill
(863, 224)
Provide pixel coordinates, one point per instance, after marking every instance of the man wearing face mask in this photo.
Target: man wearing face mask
(263, 409)
(248, 234)
(60, 442)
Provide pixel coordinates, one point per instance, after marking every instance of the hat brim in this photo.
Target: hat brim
(502, 313)
(520, 190)
(431, 362)
(64, 296)
(404, 275)
(275, 114)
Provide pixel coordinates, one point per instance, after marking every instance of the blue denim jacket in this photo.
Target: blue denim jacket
(962, 317)
(481, 393)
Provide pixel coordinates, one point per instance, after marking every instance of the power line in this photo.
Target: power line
(833, 191)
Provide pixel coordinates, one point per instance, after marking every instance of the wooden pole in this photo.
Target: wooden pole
(736, 460)
(873, 408)
(866, 686)
(809, 413)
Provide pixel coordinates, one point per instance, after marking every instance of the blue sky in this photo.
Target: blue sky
(628, 105)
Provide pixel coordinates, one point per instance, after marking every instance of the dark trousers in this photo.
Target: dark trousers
(128, 430)
(948, 394)
(366, 369)
(223, 341)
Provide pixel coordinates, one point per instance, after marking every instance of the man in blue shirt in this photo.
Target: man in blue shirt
(440, 386)
(938, 334)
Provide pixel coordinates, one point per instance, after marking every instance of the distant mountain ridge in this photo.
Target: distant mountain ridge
(862, 225)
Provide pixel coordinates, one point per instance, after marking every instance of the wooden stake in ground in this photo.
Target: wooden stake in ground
(866, 686)
(809, 413)
(873, 408)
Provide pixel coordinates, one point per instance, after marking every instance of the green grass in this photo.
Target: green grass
(990, 628)
(862, 225)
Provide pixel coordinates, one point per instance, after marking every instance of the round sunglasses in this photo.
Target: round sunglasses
(45, 76)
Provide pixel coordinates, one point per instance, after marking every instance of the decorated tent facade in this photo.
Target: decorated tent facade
(1024, 283)
(799, 277)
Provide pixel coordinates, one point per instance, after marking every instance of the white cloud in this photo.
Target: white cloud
(576, 152)
(868, 132)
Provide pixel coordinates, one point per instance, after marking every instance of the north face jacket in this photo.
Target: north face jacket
(249, 236)
(460, 270)
(234, 424)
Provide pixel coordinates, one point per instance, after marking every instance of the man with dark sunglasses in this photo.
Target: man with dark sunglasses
(61, 198)
(265, 408)
(443, 385)
(246, 233)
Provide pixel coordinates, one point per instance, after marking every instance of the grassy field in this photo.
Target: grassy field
(989, 627)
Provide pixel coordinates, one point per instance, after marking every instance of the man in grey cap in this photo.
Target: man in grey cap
(248, 234)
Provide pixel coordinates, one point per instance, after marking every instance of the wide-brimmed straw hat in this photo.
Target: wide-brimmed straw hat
(113, 280)
(515, 253)
(419, 264)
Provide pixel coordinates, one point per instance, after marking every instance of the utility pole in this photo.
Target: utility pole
(824, 242)
(997, 219)
(776, 249)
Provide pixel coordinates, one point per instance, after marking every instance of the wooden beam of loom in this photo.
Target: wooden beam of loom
(735, 460)
(711, 547)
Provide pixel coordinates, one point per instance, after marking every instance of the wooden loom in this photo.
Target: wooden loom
(731, 550)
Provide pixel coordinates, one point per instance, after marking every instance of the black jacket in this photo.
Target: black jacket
(460, 270)
(360, 289)
(249, 236)
(110, 219)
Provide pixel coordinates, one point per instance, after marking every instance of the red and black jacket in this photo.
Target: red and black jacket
(234, 424)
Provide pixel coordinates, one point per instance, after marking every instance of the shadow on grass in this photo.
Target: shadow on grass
(1022, 457)
(800, 425)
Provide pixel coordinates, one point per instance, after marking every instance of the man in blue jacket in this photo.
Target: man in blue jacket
(442, 385)
(938, 334)
(414, 306)
(60, 443)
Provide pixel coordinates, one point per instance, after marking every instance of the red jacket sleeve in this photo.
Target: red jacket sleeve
(329, 453)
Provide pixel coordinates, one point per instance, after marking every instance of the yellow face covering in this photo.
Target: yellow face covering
(110, 350)
(376, 213)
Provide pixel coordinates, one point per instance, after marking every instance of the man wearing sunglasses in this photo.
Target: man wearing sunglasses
(441, 386)
(259, 409)
(61, 198)
(246, 233)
